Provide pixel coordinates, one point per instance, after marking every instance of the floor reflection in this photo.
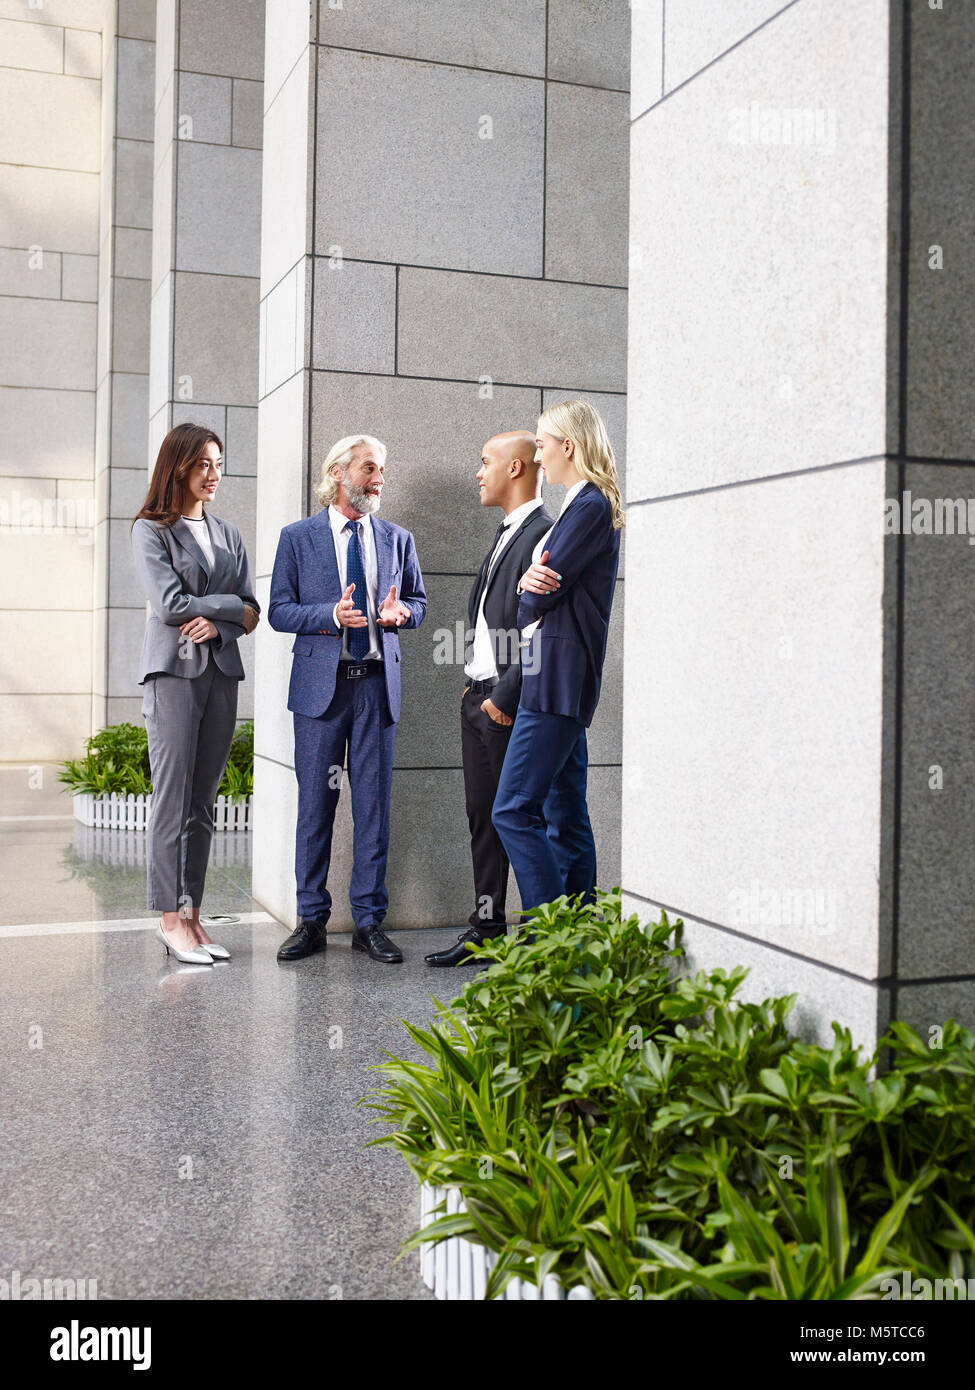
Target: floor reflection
(54, 869)
(190, 1131)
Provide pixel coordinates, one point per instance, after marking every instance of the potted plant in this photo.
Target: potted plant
(112, 783)
(591, 1120)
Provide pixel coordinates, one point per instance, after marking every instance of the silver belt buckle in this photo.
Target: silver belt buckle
(356, 672)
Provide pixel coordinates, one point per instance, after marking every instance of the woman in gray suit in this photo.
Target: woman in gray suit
(193, 569)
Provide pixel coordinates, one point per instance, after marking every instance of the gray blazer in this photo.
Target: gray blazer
(180, 585)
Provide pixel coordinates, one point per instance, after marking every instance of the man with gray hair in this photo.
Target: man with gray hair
(344, 583)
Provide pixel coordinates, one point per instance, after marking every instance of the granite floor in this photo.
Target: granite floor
(190, 1132)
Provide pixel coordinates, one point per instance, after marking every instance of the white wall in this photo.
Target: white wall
(793, 674)
(50, 156)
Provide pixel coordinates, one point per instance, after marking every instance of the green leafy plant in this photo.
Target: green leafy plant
(238, 778)
(610, 1118)
(117, 761)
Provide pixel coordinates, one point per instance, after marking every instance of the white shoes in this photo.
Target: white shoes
(216, 952)
(198, 956)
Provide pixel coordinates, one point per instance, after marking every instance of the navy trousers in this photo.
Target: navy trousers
(354, 739)
(540, 809)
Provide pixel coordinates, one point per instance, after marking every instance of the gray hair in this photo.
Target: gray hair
(342, 453)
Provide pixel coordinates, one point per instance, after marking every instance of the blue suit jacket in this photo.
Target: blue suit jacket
(305, 588)
(563, 668)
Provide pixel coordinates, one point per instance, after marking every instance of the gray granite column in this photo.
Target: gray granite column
(932, 680)
(794, 361)
(448, 254)
(206, 241)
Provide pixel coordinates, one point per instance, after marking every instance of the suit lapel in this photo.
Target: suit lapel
(383, 536)
(583, 491)
(224, 561)
(324, 543)
(509, 549)
(184, 535)
(474, 600)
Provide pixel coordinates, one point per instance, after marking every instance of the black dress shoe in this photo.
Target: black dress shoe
(307, 938)
(374, 941)
(459, 954)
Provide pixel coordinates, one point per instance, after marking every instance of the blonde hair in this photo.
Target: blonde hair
(342, 453)
(593, 456)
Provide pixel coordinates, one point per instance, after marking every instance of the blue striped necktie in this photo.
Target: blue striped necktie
(355, 574)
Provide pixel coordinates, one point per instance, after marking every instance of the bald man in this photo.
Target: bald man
(507, 478)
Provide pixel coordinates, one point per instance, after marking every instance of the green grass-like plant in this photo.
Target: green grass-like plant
(117, 761)
(612, 1119)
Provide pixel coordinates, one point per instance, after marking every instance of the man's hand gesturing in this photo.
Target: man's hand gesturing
(347, 613)
(393, 613)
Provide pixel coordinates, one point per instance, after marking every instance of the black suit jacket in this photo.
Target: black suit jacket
(501, 606)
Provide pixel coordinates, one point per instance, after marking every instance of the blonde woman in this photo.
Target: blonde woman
(567, 593)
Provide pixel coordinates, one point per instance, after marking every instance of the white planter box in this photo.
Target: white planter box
(457, 1268)
(117, 812)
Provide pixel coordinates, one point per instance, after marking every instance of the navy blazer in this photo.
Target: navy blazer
(305, 588)
(563, 668)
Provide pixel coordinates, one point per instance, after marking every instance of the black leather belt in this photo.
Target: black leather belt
(482, 687)
(359, 670)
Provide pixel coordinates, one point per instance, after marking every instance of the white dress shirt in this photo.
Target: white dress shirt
(201, 534)
(483, 665)
(539, 550)
(341, 536)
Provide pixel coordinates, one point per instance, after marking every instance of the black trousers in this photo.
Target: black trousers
(484, 744)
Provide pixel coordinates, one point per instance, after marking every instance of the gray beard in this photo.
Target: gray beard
(359, 500)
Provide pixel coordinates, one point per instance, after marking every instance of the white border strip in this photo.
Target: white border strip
(16, 820)
(244, 919)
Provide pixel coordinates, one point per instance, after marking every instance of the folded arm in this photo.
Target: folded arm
(228, 631)
(578, 541)
(164, 589)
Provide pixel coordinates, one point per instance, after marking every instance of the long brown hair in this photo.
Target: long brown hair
(178, 452)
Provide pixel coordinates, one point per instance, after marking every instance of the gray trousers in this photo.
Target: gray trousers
(190, 723)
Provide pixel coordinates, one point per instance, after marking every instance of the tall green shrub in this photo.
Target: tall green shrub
(612, 1119)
